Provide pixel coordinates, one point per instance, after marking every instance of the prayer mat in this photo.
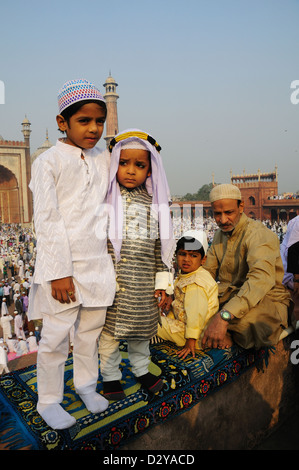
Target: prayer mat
(186, 382)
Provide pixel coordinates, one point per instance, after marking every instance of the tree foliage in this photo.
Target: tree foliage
(201, 195)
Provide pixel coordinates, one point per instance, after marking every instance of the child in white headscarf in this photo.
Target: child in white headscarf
(142, 243)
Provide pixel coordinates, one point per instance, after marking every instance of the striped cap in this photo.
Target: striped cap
(77, 90)
(130, 135)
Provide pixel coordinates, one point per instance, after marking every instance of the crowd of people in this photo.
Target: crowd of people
(18, 336)
(279, 227)
(285, 196)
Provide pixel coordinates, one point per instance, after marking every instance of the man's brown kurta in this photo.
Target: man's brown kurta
(248, 267)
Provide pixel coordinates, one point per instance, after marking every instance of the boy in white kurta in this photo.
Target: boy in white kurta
(74, 279)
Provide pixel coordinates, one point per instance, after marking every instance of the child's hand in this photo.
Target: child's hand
(188, 348)
(63, 290)
(168, 302)
(163, 298)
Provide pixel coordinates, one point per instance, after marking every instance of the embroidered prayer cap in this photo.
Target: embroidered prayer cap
(77, 90)
(200, 237)
(225, 191)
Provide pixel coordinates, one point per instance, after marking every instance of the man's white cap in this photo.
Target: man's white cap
(225, 191)
(200, 236)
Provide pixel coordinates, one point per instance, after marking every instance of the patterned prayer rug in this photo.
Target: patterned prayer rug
(186, 382)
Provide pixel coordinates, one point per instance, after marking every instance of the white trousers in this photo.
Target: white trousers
(110, 357)
(87, 324)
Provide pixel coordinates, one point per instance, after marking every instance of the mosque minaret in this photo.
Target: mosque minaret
(111, 98)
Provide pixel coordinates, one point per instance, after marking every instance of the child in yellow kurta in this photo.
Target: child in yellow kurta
(195, 296)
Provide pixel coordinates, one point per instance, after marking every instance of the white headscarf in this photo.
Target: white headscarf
(156, 185)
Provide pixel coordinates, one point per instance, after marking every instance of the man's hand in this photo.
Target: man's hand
(188, 348)
(63, 290)
(216, 335)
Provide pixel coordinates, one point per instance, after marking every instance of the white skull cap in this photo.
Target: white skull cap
(200, 236)
(225, 191)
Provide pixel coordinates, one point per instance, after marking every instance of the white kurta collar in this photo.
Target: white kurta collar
(72, 149)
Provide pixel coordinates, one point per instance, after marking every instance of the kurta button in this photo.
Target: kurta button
(129, 199)
(124, 259)
(123, 289)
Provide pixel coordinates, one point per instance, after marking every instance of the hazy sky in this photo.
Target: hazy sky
(209, 79)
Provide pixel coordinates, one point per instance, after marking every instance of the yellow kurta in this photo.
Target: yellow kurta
(248, 267)
(196, 301)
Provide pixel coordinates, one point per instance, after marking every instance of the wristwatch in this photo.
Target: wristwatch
(225, 315)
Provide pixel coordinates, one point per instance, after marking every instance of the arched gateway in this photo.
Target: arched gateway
(9, 197)
(15, 173)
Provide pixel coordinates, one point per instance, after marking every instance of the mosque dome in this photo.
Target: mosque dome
(110, 87)
(45, 146)
(26, 120)
(110, 79)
